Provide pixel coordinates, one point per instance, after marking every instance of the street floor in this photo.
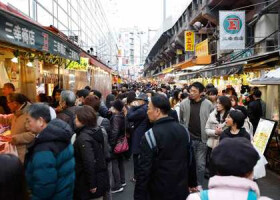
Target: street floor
(269, 186)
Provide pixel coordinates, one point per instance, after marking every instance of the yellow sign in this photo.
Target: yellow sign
(201, 49)
(189, 41)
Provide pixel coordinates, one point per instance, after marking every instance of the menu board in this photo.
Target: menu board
(263, 134)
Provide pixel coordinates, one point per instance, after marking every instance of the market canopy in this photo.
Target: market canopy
(271, 78)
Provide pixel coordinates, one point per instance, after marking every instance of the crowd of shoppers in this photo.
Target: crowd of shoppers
(69, 144)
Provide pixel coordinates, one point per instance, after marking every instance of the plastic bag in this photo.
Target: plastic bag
(259, 169)
(8, 148)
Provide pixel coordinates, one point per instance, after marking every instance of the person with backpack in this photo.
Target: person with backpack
(166, 164)
(232, 161)
(68, 108)
(92, 179)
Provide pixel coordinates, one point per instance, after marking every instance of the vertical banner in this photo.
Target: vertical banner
(232, 30)
(189, 41)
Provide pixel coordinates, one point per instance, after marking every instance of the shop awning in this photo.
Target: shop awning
(271, 78)
(167, 70)
(185, 64)
(20, 32)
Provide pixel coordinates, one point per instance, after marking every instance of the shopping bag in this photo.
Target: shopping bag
(8, 148)
(122, 145)
(259, 169)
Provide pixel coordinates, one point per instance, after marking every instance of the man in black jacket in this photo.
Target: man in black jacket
(255, 109)
(166, 165)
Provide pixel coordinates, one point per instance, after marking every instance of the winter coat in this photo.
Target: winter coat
(205, 110)
(138, 115)
(117, 122)
(68, 115)
(91, 168)
(255, 112)
(229, 188)
(167, 172)
(103, 110)
(242, 133)
(50, 163)
(212, 123)
(21, 136)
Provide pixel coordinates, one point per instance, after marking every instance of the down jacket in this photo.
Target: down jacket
(138, 115)
(230, 188)
(91, 168)
(50, 163)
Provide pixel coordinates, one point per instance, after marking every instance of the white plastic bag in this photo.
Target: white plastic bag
(8, 148)
(259, 169)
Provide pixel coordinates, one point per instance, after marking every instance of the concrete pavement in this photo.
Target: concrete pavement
(269, 186)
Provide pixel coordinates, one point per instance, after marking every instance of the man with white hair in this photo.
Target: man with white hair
(67, 104)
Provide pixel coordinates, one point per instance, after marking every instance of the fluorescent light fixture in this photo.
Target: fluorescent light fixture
(14, 60)
(29, 64)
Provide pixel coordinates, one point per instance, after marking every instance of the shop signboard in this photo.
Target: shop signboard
(202, 53)
(201, 49)
(22, 33)
(232, 30)
(189, 41)
(263, 134)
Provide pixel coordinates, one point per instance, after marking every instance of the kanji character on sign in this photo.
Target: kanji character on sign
(17, 32)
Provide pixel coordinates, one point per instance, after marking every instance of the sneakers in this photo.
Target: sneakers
(123, 184)
(116, 190)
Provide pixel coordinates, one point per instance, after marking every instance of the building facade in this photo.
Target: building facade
(84, 22)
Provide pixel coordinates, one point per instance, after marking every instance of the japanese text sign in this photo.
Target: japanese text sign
(201, 49)
(232, 30)
(189, 41)
(22, 33)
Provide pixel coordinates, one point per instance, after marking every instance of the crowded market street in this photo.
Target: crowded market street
(139, 100)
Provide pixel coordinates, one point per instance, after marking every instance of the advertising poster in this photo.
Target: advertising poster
(262, 135)
(189, 41)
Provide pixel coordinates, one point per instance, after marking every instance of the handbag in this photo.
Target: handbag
(122, 145)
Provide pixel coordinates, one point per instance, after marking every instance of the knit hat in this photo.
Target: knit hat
(118, 105)
(234, 157)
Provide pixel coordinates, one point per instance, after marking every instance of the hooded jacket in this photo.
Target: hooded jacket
(50, 163)
(91, 168)
(230, 188)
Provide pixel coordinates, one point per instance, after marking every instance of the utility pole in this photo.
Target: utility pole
(164, 10)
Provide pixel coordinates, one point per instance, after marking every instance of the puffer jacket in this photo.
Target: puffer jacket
(21, 136)
(91, 168)
(138, 115)
(230, 188)
(50, 163)
(211, 124)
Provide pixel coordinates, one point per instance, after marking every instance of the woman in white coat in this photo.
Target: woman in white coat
(216, 121)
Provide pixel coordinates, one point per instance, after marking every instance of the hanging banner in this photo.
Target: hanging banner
(201, 49)
(189, 41)
(22, 33)
(232, 30)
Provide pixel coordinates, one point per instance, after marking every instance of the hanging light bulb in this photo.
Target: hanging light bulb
(29, 64)
(14, 60)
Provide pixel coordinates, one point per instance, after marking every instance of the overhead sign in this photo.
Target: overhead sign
(232, 30)
(201, 49)
(189, 41)
(22, 33)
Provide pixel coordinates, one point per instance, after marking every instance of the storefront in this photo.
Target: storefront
(31, 56)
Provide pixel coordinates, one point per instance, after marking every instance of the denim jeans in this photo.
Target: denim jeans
(200, 152)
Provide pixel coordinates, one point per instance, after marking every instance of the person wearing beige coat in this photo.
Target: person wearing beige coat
(20, 136)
